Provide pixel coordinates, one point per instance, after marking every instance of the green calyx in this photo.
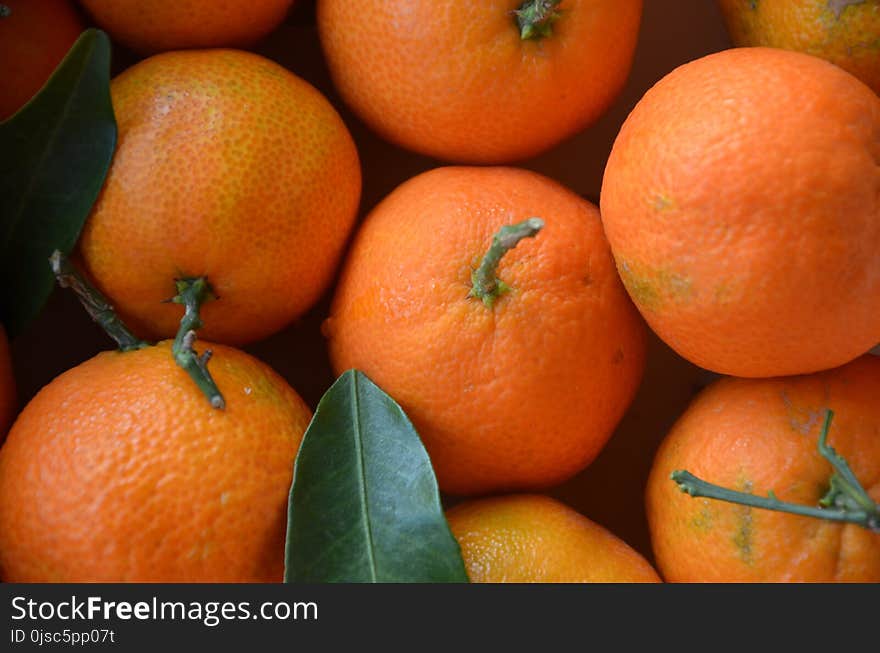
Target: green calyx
(192, 293)
(535, 18)
(5, 11)
(846, 501)
(485, 285)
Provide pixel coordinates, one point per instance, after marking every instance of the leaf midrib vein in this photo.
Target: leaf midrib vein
(368, 527)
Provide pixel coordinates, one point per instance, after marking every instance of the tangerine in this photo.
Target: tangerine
(228, 167)
(757, 436)
(159, 25)
(744, 218)
(845, 32)
(514, 380)
(536, 539)
(35, 35)
(479, 82)
(120, 470)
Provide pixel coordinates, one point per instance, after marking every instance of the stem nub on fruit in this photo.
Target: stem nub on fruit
(192, 293)
(846, 500)
(535, 18)
(5, 11)
(485, 285)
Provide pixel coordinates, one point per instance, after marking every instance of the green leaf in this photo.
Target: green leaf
(54, 155)
(364, 504)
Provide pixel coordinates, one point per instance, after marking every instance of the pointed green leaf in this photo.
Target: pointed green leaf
(54, 155)
(364, 504)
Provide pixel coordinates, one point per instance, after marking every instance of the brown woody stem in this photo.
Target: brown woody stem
(96, 305)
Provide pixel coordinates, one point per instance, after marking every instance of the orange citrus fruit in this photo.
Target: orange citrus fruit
(228, 166)
(845, 32)
(120, 470)
(7, 386)
(536, 539)
(519, 392)
(757, 436)
(745, 220)
(34, 37)
(159, 25)
(456, 80)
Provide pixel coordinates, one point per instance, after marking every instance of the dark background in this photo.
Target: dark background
(610, 490)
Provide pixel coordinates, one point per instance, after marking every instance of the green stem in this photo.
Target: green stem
(486, 286)
(192, 293)
(5, 11)
(535, 18)
(848, 500)
(94, 302)
(846, 490)
(696, 487)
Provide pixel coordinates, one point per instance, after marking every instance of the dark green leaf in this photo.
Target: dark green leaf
(54, 155)
(364, 504)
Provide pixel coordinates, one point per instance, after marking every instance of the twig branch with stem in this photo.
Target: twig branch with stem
(846, 501)
(190, 292)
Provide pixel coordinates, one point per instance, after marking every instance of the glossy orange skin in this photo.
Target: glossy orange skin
(455, 80)
(228, 166)
(745, 219)
(120, 470)
(33, 40)
(158, 25)
(845, 32)
(758, 435)
(535, 539)
(520, 395)
(8, 403)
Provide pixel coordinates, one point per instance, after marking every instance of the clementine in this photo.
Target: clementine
(34, 37)
(120, 470)
(536, 539)
(159, 25)
(757, 436)
(515, 379)
(484, 82)
(229, 167)
(741, 200)
(845, 32)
